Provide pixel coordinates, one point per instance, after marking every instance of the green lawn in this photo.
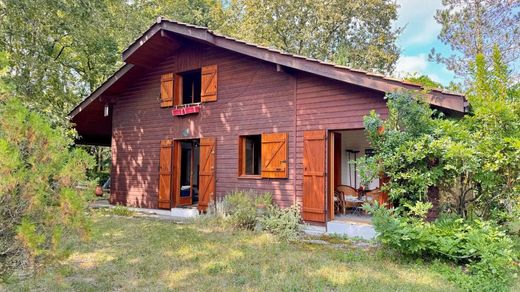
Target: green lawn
(143, 254)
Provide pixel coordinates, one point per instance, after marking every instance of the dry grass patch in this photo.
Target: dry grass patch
(141, 254)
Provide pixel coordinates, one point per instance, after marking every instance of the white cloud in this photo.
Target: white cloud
(417, 16)
(411, 64)
(436, 78)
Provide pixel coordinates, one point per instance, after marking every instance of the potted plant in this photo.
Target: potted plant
(101, 178)
(99, 190)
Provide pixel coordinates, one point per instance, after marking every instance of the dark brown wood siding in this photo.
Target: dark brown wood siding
(253, 98)
(325, 104)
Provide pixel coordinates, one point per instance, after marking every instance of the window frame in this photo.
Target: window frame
(182, 76)
(242, 157)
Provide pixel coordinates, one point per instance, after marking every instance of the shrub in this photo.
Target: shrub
(249, 210)
(485, 251)
(469, 164)
(40, 203)
(240, 208)
(284, 223)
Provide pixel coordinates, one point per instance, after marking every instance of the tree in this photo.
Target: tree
(41, 199)
(473, 27)
(60, 51)
(473, 162)
(353, 33)
(495, 127)
(423, 80)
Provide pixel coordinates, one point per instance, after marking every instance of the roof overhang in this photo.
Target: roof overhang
(447, 100)
(150, 48)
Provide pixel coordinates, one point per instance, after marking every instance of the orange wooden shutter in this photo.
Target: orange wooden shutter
(208, 90)
(165, 174)
(206, 172)
(177, 89)
(314, 175)
(167, 86)
(171, 89)
(274, 155)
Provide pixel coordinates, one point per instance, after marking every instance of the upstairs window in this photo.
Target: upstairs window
(191, 84)
(189, 87)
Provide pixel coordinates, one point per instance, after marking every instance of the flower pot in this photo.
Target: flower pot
(99, 191)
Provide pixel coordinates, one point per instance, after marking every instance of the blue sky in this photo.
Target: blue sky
(418, 38)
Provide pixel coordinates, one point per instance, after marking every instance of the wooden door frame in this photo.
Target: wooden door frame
(330, 180)
(331, 143)
(176, 162)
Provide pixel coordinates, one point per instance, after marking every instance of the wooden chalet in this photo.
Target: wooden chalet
(193, 115)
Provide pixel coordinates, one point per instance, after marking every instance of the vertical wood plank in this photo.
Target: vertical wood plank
(314, 144)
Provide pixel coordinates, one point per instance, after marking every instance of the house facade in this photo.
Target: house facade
(193, 115)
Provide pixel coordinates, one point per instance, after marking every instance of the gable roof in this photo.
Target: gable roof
(437, 97)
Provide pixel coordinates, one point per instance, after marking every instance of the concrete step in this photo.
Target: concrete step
(351, 229)
(184, 212)
(314, 230)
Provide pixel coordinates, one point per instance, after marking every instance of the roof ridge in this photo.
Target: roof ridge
(375, 81)
(161, 19)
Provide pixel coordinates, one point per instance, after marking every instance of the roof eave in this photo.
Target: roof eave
(100, 90)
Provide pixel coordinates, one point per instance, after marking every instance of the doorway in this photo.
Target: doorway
(186, 186)
(346, 190)
(186, 177)
(187, 173)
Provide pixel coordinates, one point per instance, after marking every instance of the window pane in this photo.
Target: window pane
(252, 154)
(185, 169)
(191, 82)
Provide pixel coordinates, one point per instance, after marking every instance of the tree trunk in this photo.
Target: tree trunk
(433, 197)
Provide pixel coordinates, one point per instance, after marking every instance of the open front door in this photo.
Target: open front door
(165, 174)
(314, 143)
(206, 173)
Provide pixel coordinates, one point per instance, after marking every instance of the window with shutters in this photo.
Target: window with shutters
(250, 149)
(191, 82)
(189, 88)
(263, 156)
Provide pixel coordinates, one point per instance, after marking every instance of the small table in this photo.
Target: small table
(356, 202)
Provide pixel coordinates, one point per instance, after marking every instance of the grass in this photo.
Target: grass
(128, 253)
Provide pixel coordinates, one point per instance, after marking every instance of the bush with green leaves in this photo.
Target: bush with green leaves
(240, 208)
(40, 201)
(249, 210)
(481, 247)
(283, 222)
(472, 161)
